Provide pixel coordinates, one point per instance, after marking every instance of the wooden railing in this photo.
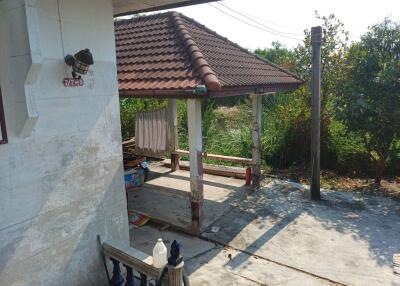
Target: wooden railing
(232, 159)
(136, 261)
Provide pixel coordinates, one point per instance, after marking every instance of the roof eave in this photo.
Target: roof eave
(163, 93)
(224, 92)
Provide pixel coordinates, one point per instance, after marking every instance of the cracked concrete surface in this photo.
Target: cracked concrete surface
(208, 263)
(278, 237)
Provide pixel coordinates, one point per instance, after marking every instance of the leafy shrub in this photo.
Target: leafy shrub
(346, 151)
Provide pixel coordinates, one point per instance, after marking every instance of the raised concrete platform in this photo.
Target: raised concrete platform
(165, 197)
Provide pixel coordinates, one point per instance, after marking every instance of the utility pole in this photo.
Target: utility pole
(316, 39)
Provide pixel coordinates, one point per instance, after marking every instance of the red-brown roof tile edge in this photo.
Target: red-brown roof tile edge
(239, 47)
(203, 68)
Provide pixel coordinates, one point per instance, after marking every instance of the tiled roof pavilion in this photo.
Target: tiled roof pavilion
(171, 55)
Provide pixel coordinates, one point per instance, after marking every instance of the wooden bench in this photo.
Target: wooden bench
(226, 171)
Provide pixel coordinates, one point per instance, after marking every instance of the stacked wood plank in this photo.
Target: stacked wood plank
(128, 146)
(130, 159)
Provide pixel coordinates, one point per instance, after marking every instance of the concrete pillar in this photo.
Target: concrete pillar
(196, 162)
(256, 100)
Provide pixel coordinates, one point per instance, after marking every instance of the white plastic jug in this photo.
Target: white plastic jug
(159, 254)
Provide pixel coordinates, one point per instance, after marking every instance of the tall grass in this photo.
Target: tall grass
(285, 133)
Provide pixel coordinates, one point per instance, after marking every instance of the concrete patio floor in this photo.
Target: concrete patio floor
(165, 197)
(278, 237)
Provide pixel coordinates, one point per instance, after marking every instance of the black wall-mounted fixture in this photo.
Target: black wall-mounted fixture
(80, 62)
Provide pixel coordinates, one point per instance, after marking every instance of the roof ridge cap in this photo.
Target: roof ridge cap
(243, 49)
(208, 76)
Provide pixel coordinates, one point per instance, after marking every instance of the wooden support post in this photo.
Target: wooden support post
(173, 133)
(196, 162)
(316, 38)
(256, 100)
(248, 176)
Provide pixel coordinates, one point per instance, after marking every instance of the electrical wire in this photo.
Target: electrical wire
(257, 22)
(254, 26)
(271, 23)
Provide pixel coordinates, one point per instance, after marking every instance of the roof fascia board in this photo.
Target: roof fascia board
(241, 91)
(191, 93)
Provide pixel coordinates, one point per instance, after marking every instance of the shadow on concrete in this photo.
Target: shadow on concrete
(349, 238)
(345, 232)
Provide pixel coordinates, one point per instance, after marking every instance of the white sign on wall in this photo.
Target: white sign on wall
(73, 82)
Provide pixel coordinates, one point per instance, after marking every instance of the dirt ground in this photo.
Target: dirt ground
(390, 187)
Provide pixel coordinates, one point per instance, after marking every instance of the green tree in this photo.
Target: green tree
(334, 47)
(333, 50)
(279, 55)
(370, 103)
(289, 117)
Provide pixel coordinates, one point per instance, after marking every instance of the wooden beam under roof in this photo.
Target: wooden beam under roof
(128, 7)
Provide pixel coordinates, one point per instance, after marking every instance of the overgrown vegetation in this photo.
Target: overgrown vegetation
(360, 107)
(369, 102)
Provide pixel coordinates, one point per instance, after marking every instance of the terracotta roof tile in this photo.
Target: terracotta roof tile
(172, 52)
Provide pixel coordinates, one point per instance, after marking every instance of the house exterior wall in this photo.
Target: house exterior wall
(62, 184)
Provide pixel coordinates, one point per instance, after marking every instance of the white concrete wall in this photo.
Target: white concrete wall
(62, 185)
